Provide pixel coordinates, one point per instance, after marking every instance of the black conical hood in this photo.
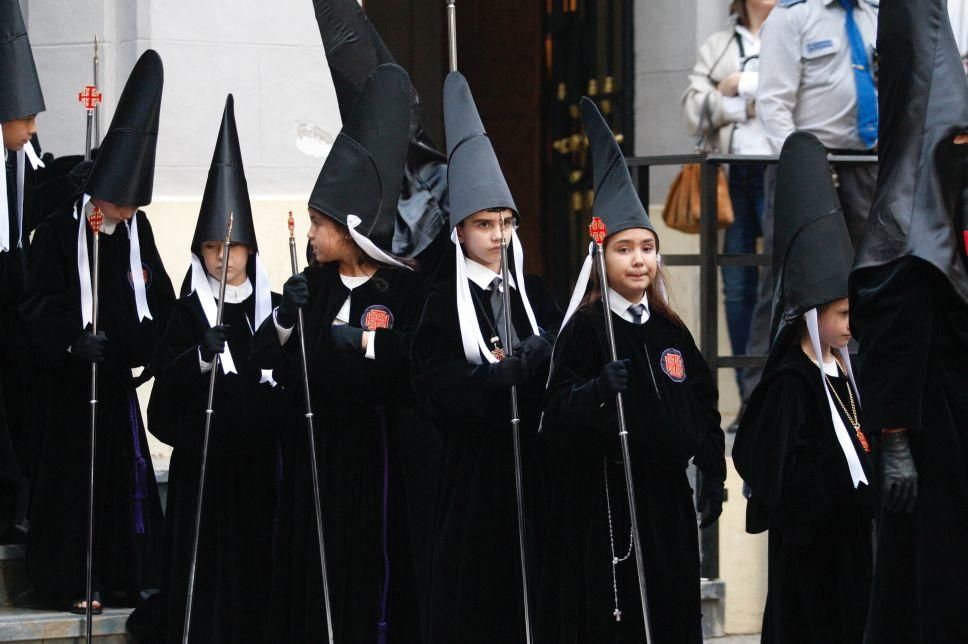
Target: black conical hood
(353, 47)
(354, 50)
(474, 177)
(812, 253)
(923, 103)
(124, 170)
(616, 201)
(226, 190)
(363, 173)
(20, 94)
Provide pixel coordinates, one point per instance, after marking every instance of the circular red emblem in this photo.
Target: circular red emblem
(376, 317)
(673, 365)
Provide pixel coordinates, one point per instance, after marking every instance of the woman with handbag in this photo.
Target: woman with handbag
(719, 108)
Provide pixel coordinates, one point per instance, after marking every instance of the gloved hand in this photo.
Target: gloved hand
(295, 295)
(613, 380)
(212, 342)
(507, 373)
(90, 348)
(534, 351)
(346, 338)
(711, 496)
(899, 476)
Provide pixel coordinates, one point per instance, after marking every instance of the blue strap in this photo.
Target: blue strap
(863, 79)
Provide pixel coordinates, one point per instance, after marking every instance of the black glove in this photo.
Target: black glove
(346, 338)
(613, 380)
(900, 476)
(507, 373)
(90, 348)
(212, 342)
(534, 352)
(295, 295)
(711, 496)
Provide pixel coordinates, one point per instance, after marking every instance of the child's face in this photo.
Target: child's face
(480, 234)
(212, 252)
(631, 262)
(834, 324)
(329, 241)
(17, 133)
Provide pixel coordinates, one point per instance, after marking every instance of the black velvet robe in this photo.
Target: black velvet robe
(671, 415)
(913, 334)
(821, 539)
(475, 591)
(128, 520)
(233, 569)
(363, 420)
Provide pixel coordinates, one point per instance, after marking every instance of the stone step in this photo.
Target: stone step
(13, 574)
(21, 625)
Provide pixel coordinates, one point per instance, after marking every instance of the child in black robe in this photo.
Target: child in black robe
(589, 592)
(21, 99)
(801, 447)
(233, 561)
(133, 309)
(360, 307)
(464, 384)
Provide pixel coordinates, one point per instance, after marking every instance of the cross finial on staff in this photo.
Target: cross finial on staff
(597, 230)
(292, 226)
(90, 98)
(95, 220)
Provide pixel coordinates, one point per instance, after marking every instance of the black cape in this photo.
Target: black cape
(128, 520)
(671, 416)
(476, 587)
(363, 426)
(913, 333)
(820, 541)
(233, 570)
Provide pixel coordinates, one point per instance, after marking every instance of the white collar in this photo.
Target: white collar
(746, 34)
(354, 281)
(233, 294)
(620, 306)
(482, 275)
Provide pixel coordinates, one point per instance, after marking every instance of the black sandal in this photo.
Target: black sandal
(78, 606)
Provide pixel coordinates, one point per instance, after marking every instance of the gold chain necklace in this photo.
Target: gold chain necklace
(852, 416)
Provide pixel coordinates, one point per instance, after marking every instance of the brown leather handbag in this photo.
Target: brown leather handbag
(682, 206)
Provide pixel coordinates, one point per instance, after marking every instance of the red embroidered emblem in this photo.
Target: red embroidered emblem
(376, 317)
(673, 365)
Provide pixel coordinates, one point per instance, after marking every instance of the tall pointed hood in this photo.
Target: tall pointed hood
(617, 202)
(919, 206)
(359, 184)
(354, 50)
(20, 93)
(812, 251)
(226, 190)
(123, 172)
(475, 180)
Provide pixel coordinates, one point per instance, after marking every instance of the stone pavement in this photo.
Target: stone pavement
(734, 639)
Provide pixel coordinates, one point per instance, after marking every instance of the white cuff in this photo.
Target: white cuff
(204, 366)
(281, 331)
(370, 344)
(734, 109)
(748, 81)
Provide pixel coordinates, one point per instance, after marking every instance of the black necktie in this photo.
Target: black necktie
(497, 305)
(637, 311)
